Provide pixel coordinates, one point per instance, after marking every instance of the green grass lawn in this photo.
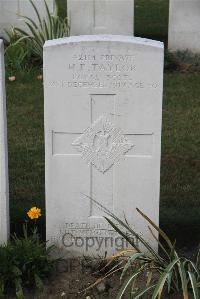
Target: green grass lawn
(180, 206)
(180, 172)
(151, 19)
(26, 145)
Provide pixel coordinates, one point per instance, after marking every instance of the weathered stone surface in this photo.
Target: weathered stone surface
(184, 25)
(11, 12)
(101, 16)
(103, 110)
(4, 201)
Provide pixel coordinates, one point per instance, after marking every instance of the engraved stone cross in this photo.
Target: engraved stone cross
(102, 145)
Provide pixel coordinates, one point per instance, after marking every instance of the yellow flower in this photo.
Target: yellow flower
(34, 213)
(39, 77)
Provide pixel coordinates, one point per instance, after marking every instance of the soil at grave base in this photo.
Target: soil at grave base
(71, 280)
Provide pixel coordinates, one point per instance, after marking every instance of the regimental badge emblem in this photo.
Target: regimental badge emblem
(102, 144)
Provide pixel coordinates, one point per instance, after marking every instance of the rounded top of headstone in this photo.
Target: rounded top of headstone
(104, 38)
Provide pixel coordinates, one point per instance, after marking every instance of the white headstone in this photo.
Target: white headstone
(11, 12)
(4, 201)
(101, 16)
(184, 25)
(103, 110)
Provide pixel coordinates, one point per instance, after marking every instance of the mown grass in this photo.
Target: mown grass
(26, 145)
(180, 172)
(151, 19)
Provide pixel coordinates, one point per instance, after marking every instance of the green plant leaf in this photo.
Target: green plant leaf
(194, 285)
(31, 21)
(19, 290)
(161, 232)
(184, 282)
(127, 283)
(142, 292)
(50, 27)
(159, 287)
(131, 260)
(36, 11)
(198, 259)
(192, 265)
(137, 236)
(49, 20)
(159, 243)
(169, 281)
(128, 228)
(46, 31)
(117, 229)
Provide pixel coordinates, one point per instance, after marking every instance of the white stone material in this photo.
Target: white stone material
(103, 111)
(11, 12)
(184, 25)
(93, 144)
(101, 16)
(4, 200)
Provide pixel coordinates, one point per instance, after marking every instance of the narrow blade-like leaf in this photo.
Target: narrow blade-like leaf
(142, 292)
(159, 287)
(127, 283)
(194, 285)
